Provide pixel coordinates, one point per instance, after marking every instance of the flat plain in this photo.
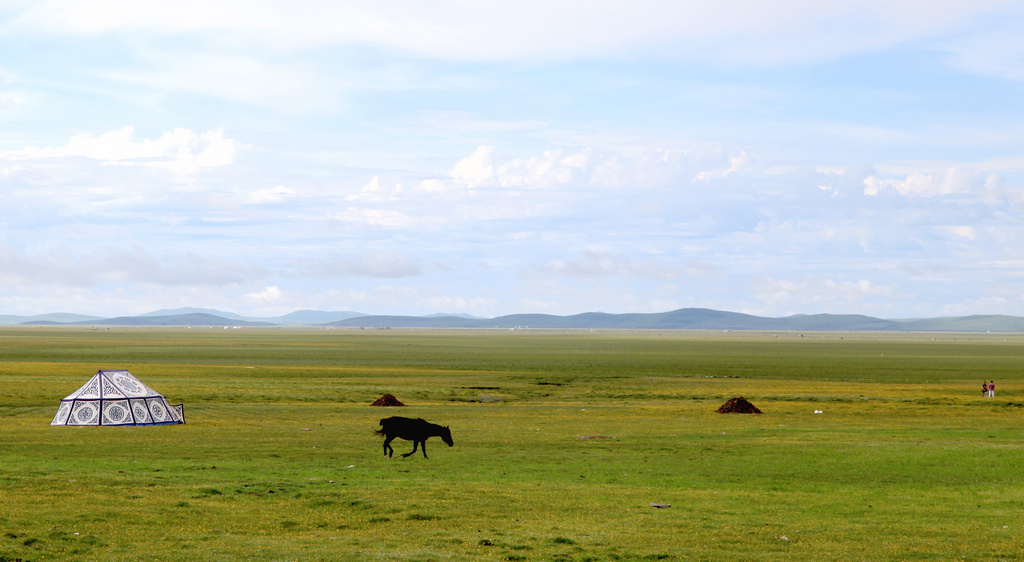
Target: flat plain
(872, 446)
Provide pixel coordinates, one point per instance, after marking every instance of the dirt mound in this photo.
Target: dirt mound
(387, 400)
(738, 405)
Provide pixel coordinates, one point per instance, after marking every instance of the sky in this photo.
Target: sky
(488, 158)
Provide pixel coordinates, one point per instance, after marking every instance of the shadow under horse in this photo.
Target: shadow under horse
(415, 430)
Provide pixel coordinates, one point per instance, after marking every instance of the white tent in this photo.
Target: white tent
(116, 398)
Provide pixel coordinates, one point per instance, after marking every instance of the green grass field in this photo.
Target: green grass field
(278, 460)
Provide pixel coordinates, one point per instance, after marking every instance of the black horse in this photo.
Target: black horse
(415, 430)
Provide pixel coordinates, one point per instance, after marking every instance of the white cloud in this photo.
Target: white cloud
(374, 192)
(952, 180)
(552, 168)
(476, 168)
(487, 168)
(816, 293)
(968, 232)
(267, 296)
(181, 151)
(433, 186)
(736, 164)
(276, 194)
(646, 169)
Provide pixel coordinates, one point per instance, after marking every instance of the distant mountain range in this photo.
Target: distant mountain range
(683, 319)
(183, 317)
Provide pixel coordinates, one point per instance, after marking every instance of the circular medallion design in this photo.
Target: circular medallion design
(128, 384)
(116, 413)
(85, 414)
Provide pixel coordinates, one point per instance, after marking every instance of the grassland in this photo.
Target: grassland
(278, 461)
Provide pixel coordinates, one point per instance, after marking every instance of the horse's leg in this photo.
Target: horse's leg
(414, 445)
(424, 448)
(388, 451)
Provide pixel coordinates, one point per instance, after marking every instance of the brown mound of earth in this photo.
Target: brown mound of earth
(387, 400)
(738, 405)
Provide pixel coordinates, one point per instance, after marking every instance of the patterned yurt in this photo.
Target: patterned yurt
(116, 398)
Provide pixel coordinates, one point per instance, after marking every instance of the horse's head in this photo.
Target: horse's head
(446, 436)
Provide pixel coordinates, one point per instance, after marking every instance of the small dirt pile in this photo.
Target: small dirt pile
(387, 400)
(738, 405)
